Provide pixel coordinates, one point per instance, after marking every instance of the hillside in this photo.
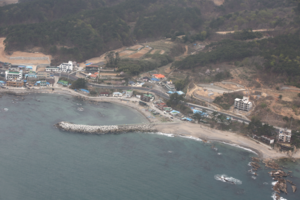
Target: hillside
(81, 29)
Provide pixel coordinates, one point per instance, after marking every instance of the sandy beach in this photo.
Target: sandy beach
(179, 128)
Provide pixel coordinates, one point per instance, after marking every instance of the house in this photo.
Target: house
(180, 93)
(43, 75)
(41, 83)
(52, 69)
(161, 106)
(104, 94)
(158, 76)
(66, 67)
(145, 97)
(285, 135)
(93, 76)
(145, 79)
(242, 104)
(128, 93)
(91, 68)
(14, 68)
(15, 83)
(267, 139)
(170, 87)
(131, 83)
(13, 75)
(50, 81)
(117, 94)
(31, 74)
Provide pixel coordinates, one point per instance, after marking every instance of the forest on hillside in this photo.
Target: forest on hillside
(81, 29)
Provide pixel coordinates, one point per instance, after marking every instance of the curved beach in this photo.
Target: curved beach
(179, 129)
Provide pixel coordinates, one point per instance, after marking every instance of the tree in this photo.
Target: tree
(198, 117)
(175, 99)
(79, 83)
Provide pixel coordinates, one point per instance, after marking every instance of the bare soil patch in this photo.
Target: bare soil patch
(136, 47)
(6, 2)
(27, 58)
(162, 52)
(218, 2)
(140, 53)
(125, 53)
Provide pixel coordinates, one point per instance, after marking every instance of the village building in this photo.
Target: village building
(242, 104)
(267, 139)
(31, 74)
(104, 94)
(15, 83)
(145, 79)
(117, 94)
(14, 68)
(14, 75)
(285, 135)
(145, 97)
(158, 76)
(66, 67)
(42, 75)
(91, 69)
(52, 69)
(128, 93)
(170, 87)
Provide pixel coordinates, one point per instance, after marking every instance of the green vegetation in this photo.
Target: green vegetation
(256, 127)
(227, 100)
(226, 50)
(247, 35)
(79, 84)
(167, 19)
(175, 102)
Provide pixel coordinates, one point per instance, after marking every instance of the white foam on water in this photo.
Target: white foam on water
(191, 137)
(160, 133)
(238, 146)
(80, 109)
(5, 109)
(274, 183)
(249, 164)
(226, 179)
(253, 177)
(216, 149)
(170, 151)
(265, 183)
(274, 197)
(219, 154)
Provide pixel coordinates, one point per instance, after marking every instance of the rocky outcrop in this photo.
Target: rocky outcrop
(111, 129)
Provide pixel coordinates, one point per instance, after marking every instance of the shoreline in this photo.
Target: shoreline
(182, 129)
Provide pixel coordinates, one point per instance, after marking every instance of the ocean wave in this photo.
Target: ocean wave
(253, 177)
(226, 179)
(160, 133)
(219, 154)
(5, 109)
(265, 183)
(238, 146)
(274, 197)
(191, 137)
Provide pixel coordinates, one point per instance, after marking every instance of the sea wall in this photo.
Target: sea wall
(111, 129)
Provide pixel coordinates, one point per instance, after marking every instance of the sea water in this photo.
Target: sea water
(38, 161)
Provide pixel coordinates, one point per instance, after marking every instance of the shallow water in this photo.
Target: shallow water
(40, 162)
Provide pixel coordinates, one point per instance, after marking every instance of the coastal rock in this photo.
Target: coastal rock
(111, 129)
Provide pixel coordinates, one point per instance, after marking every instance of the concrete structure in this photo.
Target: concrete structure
(267, 139)
(52, 69)
(66, 67)
(15, 83)
(117, 94)
(170, 87)
(284, 135)
(128, 93)
(43, 75)
(242, 104)
(105, 94)
(31, 74)
(9, 75)
(91, 68)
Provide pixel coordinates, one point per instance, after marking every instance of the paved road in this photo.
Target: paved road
(158, 93)
(212, 110)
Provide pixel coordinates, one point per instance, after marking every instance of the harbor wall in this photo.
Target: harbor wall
(109, 129)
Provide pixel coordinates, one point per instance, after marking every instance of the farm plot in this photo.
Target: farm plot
(140, 53)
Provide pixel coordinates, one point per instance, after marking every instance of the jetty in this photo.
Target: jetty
(100, 130)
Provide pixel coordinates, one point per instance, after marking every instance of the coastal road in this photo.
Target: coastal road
(158, 93)
(212, 110)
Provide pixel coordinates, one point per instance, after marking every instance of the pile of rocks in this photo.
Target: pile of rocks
(67, 126)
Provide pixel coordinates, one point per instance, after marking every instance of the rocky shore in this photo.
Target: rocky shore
(111, 129)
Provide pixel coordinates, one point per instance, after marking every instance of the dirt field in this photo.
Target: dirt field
(6, 2)
(136, 47)
(162, 52)
(126, 53)
(140, 53)
(218, 2)
(258, 30)
(26, 56)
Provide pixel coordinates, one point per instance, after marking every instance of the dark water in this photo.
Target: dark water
(37, 161)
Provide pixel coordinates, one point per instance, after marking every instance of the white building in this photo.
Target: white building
(267, 139)
(52, 69)
(242, 104)
(128, 93)
(284, 135)
(66, 67)
(117, 94)
(9, 75)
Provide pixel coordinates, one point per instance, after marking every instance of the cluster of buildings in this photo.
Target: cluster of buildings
(283, 137)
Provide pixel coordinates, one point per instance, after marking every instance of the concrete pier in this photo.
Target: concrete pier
(111, 129)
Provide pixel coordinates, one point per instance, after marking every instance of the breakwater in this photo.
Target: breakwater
(110, 129)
